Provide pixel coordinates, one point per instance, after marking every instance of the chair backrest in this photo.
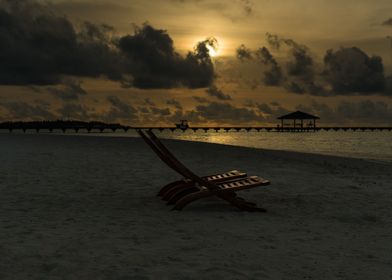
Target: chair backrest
(166, 156)
(176, 163)
(160, 154)
(179, 165)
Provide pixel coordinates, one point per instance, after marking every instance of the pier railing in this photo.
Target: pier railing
(103, 127)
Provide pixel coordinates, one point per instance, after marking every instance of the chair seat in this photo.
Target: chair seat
(181, 200)
(173, 187)
(242, 184)
(225, 176)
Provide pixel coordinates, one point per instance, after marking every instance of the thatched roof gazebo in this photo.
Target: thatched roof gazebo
(298, 119)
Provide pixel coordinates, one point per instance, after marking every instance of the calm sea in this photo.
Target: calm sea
(366, 145)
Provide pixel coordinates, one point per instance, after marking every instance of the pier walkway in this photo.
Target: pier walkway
(93, 127)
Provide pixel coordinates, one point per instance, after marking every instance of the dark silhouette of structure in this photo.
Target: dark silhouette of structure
(182, 125)
(300, 122)
(61, 125)
(95, 126)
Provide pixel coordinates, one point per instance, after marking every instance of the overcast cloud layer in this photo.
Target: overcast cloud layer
(146, 62)
(345, 71)
(40, 48)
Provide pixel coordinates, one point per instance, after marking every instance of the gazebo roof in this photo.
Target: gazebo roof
(298, 115)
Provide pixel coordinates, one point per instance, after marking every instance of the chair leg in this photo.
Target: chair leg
(181, 193)
(184, 201)
(168, 194)
(230, 197)
(168, 186)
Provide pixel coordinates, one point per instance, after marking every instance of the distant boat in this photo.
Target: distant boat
(182, 125)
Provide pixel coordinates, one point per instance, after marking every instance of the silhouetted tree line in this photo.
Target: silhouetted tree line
(61, 125)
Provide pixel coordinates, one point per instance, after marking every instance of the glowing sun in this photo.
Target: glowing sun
(214, 51)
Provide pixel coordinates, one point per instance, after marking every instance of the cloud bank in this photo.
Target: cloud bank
(39, 47)
(387, 22)
(346, 71)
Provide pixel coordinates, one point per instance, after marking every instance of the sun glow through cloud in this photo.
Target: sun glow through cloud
(220, 50)
(214, 52)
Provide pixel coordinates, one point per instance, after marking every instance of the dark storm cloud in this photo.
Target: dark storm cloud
(346, 71)
(350, 70)
(250, 104)
(70, 90)
(143, 110)
(247, 6)
(267, 112)
(325, 112)
(217, 93)
(225, 112)
(265, 108)
(120, 110)
(154, 63)
(298, 72)
(388, 85)
(160, 112)
(270, 112)
(95, 32)
(191, 116)
(40, 48)
(301, 71)
(387, 22)
(365, 111)
(302, 63)
(148, 101)
(273, 40)
(273, 76)
(243, 53)
(19, 110)
(72, 111)
(300, 68)
(175, 103)
(295, 87)
(200, 99)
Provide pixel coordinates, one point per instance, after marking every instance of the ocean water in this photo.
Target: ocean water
(375, 145)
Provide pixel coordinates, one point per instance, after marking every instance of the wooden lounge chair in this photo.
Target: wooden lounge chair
(175, 190)
(172, 188)
(193, 187)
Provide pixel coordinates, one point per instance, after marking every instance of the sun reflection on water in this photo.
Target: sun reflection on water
(375, 145)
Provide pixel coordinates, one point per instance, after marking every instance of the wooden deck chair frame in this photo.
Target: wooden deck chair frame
(190, 192)
(172, 189)
(176, 190)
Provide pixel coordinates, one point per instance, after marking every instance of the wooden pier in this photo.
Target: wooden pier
(99, 127)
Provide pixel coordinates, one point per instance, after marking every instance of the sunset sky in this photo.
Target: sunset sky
(155, 62)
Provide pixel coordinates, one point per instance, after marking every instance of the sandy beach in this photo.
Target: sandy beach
(79, 207)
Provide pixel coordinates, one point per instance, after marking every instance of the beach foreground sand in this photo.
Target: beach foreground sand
(77, 207)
